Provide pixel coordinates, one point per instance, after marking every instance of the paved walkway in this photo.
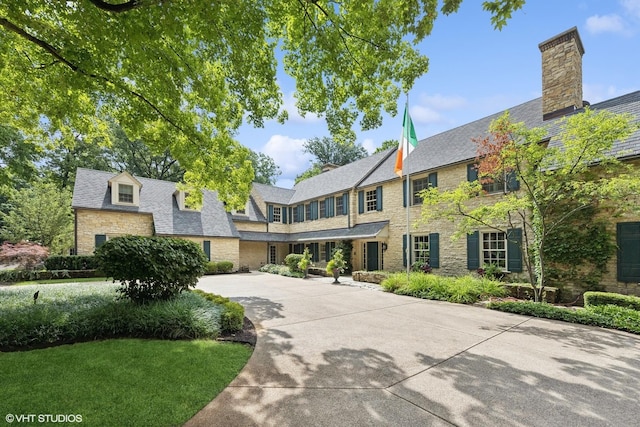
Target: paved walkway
(330, 355)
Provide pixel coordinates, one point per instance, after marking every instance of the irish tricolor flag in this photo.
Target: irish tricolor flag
(408, 141)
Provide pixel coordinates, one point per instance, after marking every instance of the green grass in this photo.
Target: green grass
(120, 382)
(73, 313)
(464, 290)
(67, 280)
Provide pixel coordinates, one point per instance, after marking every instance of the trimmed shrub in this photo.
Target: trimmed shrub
(74, 262)
(606, 316)
(282, 270)
(212, 267)
(232, 316)
(151, 268)
(292, 261)
(225, 266)
(11, 276)
(593, 299)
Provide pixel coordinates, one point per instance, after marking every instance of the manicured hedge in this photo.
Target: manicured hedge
(214, 267)
(12, 276)
(232, 316)
(75, 262)
(592, 299)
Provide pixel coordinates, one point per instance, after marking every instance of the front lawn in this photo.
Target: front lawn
(120, 382)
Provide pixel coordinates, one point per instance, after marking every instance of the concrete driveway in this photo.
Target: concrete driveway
(331, 355)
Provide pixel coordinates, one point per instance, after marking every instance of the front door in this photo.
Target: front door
(372, 256)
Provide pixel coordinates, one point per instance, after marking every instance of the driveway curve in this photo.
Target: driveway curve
(340, 355)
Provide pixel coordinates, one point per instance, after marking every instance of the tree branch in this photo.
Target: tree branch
(116, 8)
(58, 56)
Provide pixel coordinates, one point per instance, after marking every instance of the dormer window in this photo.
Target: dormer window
(125, 190)
(125, 193)
(183, 204)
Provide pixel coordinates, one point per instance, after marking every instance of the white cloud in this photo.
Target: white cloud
(596, 93)
(369, 145)
(430, 108)
(611, 23)
(288, 154)
(631, 7)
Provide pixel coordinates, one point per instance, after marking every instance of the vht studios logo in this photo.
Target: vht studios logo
(43, 418)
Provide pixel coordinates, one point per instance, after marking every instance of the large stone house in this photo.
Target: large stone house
(363, 202)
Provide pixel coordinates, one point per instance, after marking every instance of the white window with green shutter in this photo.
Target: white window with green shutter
(495, 247)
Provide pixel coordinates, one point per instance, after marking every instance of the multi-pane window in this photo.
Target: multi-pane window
(277, 214)
(494, 248)
(419, 185)
(371, 200)
(339, 205)
(492, 185)
(323, 209)
(125, 193)
(273, 259)
(307, 211)
(323, 251)
(421, 248)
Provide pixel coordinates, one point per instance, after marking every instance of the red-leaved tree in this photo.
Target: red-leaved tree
(26, 254)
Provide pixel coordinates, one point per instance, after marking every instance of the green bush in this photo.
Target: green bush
(232, 316)
(225, 266)
(592, 299)
(73, 313)
(292, 261)
(151, 268)
(212, 267)
(76, 262)
(282, 270)
(465, 290)
(606, 316)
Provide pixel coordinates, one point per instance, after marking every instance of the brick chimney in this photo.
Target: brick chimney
(561, 74)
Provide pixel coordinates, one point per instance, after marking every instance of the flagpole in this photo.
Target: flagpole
(409, 196)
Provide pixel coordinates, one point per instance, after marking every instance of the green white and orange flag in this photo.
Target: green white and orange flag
(408, 141)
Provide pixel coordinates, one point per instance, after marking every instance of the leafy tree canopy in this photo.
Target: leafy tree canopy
(17, 158)
(328, 151)
(187, 74)
(389, 143)
(557, 182)
(265, 168)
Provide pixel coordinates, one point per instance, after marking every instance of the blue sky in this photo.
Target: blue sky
(475, 71)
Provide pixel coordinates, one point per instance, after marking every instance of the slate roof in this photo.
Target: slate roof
(91, 191)
(338, 180)
(252, 213)
(359, 231)
(273, 194)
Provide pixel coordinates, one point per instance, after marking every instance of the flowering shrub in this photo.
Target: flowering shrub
(28, 255)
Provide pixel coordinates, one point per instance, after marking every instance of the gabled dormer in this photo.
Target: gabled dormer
(125, 190)
(182, 198)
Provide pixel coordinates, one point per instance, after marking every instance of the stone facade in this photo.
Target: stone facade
(90, 223)
(222, 248)
(561, 72)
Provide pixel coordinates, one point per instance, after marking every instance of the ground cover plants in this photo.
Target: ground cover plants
(280, 269)
(72, 313)
(465, 290)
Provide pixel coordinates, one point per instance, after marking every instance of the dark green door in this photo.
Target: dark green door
(628, 234)
(372, 256)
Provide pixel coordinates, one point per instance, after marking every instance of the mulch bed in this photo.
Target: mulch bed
(246, 336)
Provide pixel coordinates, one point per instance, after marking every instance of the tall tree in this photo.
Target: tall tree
(265, 168)
(17, 158)
(187, 74)
(42, 214)
(545, 187)
(389, 143)
(328, 151)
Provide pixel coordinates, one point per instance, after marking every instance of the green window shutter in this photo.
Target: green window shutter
(284, 215)
(328, 207)
(100, 239)
(473, 251)
(404, 250)
(514, 253)
(345, 203)
(314, 210)
(404, 193)
(433, 179)
(379, 198)
(512, 182)
(206, 247)
(327, 251)
(301, 213)
(291, 211)
(315, 252)
(361, 201)
(270, 213)
(434, 250)
(472, 172)
(628, 257)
